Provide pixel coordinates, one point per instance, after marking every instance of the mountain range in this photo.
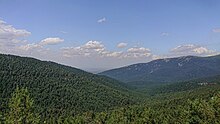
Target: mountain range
(63, 91)
(167, 70)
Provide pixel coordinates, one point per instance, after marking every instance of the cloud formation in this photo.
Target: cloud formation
(13, 41)
(90, 54)
(10, 36)
(191, 49)
(97, 49)
(138, 52)
(102, 20)
(40, 46)
(51, 41)
(88, 49)
(122, 45)
(30, 46)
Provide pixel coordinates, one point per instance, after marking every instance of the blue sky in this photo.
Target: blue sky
(90, 30)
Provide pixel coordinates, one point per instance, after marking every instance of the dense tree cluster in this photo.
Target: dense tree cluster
(34, 91)
(58, 89)
(197, 111)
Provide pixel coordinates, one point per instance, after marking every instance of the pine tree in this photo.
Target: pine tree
(21, 108)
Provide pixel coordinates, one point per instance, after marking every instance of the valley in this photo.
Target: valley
(63, 94)
(109, 62)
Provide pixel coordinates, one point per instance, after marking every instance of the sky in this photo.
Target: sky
(97, 35)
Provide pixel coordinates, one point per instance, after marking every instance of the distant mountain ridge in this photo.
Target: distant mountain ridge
(167, 70)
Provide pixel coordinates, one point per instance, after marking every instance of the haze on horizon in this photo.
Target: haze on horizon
(99, 35)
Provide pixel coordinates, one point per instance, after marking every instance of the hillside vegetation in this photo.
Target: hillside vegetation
(34, 91)
(200, 106)
(167, 70)
(58, 89)
(173, 87)
(204, 108)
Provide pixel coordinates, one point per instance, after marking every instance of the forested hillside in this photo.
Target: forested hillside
(34, 91)
(173, 87)
(58, 89)
(196, 107)
(167, 70)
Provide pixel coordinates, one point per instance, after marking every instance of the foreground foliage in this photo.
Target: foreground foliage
(197, 111)
(21, 109)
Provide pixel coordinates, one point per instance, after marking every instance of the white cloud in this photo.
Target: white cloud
(88, 49)
(51, 41)
(191, 49)
(97, 50)
(122, 45)
(39, 47)
(29, 47)
(12, 41)
(102, 20)
(164, 34)
(138, 52)
(10, 36)
(95, 45)
(111, 54)
(94, 54)
(216, 30)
